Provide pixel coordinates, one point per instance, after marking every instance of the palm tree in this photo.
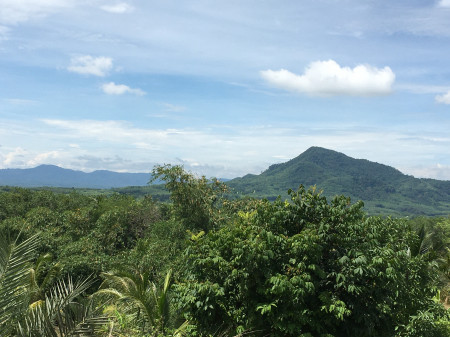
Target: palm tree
(61, 313)
(42, 275)
(139, 296)
(15, 261)
(434, 242)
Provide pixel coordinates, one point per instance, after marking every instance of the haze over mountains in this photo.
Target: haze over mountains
(384, 189)
(54, 176)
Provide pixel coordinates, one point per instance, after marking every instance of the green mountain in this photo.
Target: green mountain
(383, 189)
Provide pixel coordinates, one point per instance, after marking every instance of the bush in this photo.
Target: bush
(305, 268)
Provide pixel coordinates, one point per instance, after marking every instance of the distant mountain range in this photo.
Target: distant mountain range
(54, 176)
(383, 189)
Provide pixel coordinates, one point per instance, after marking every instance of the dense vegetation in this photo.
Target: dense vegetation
(204, 265)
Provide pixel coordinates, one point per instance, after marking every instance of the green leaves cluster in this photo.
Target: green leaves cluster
(196, 201)
(60, 312)
(306, 268)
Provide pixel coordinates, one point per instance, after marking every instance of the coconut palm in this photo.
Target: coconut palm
(61, 313)
(42, 274)
(139, 297)
(15, 262)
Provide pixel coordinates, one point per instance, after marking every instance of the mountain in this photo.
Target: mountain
(50, 175)
(383, 189)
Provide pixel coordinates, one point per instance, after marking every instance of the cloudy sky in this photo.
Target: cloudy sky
(224, 87)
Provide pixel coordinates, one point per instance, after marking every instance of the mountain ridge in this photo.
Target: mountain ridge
(55, 176)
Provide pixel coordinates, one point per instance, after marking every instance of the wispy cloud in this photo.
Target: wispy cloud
(119, 89)
(119, 8)
(173, 108)
(89, 65)
(16, 11)
(437, 171)
(325, 78)
(444, 3)
(444, 98)
(20, 101)
(247, 149)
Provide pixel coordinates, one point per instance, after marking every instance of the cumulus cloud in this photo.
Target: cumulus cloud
(118, 8)
(14, 157)
(86, 64)
(444, 98)
(119, 89)
(43, 158)
(326, 78)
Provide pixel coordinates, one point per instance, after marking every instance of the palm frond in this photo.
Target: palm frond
(64, 313)
(15, 259)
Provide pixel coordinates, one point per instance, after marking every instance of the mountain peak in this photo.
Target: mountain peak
(336, 173)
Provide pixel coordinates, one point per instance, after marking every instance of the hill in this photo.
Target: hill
(383, 189)
(54, 176)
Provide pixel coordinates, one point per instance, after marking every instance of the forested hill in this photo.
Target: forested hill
(50, 175)
(383, 189)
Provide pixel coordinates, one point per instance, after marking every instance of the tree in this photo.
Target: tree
(139, 297)
(305, 267)
(196, 201)
(61, 313)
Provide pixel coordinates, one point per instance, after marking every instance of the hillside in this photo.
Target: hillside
(383, 189)
(54, 176)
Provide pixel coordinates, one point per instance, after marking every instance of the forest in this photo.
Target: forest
(202, 264)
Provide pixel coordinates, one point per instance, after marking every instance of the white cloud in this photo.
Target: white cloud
(329, 78)
(86, 64)
(438, 171)
(4, 32)
(14, 157)
(119, 89)
(444, 3)
(219, 150)
(16, 11)
(20, 101)
(444, 98)
(173, 108)
(118, 8)
(43, 158)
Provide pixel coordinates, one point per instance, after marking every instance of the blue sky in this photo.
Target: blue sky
(224, 87)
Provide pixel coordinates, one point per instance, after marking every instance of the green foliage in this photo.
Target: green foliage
(434, 244)
(196, 201)
(140, 298)
(60, 312)
(302, 267)
(432, 322)
(63, 313)
(15, 260)
(305, 268)
(85, 234)
(160, 249)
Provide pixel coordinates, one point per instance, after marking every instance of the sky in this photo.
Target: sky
(224, 88)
